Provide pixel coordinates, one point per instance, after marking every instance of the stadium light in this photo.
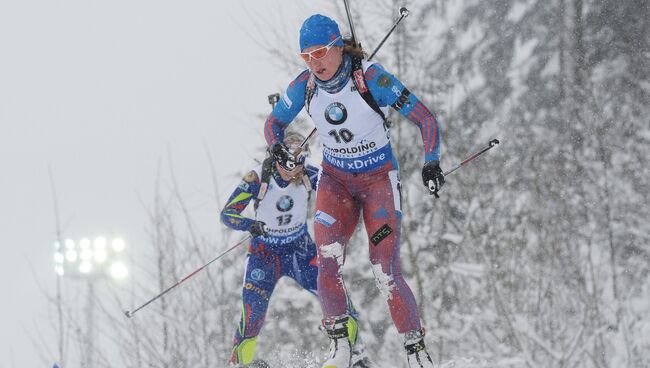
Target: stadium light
(71, 255)
(119, 270)
(89, 260)
(118, 245)
(86, 259)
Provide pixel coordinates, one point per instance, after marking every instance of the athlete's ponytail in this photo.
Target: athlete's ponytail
(353, 50)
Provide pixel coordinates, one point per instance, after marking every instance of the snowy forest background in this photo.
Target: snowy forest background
(536, 255)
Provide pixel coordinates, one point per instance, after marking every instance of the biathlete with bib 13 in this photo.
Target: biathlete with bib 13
(280, 246)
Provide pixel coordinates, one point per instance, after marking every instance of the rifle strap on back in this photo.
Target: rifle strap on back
(267, 171)
(359, 80)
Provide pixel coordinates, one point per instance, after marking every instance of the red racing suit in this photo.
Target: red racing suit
(359, 177)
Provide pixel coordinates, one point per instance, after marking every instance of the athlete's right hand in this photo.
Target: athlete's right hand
(281, 155)
(258, 228)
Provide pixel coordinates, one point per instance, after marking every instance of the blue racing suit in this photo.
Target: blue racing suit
(288, 250)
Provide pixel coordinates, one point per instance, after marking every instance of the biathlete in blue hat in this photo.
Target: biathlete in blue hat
(346, 98)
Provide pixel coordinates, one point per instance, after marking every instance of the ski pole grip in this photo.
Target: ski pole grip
(403, 12)
(432, 189)
(274, 98)
(494, 142)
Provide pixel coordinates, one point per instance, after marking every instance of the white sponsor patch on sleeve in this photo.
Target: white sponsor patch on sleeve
(287, 101)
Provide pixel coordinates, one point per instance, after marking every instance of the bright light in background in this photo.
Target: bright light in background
(118, 244)
(84, 243)
(71, 256)
(86, 259)
(119, 270)
(100, 242)
(86, 255)
(100, 255)
(85, 267)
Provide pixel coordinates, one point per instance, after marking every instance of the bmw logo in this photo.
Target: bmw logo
(336, 113)
(284, 204)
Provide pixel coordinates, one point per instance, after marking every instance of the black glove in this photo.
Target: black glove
(258, 228)
(432, 177)
(281, 155)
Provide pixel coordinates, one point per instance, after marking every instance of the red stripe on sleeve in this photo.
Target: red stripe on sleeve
(433, 126)
(268, 129)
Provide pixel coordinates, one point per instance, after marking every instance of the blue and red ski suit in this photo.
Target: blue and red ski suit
(360, 176)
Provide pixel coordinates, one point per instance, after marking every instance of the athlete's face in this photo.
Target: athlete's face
(325, 67)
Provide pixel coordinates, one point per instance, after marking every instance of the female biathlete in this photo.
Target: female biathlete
(280, 246)
(344, 96)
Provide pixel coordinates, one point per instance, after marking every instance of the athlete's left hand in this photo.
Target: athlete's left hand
(282, 156)
(258, 228)
(432, 177)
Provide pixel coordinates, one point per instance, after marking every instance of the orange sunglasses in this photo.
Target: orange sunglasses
(318, 53)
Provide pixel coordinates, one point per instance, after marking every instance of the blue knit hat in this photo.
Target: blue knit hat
(319, 30)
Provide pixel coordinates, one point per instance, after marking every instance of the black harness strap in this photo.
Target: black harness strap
(360, 82)
(267, 171)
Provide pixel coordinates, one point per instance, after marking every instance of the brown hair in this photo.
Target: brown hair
(353, 50)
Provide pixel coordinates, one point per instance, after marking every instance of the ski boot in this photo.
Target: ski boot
(416, 354)
(359, 356)
(340, 347)
(243, 353)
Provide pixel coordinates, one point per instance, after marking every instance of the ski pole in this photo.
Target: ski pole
(352, 32)
(130, 314)
(403, 12)
(304, 142)
(491, 144)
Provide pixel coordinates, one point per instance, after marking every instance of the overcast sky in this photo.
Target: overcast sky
(100, 91)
